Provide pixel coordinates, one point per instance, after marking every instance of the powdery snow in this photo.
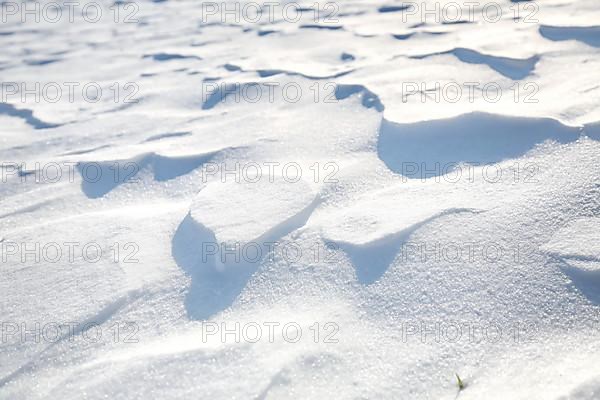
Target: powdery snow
(354, 236)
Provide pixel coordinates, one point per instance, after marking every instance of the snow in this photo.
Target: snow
(284, 210)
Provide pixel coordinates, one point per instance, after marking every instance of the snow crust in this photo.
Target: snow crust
(367, 248)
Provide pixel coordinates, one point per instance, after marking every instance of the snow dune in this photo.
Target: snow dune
(304, 181)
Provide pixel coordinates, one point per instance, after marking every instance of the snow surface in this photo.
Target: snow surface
(529, 263)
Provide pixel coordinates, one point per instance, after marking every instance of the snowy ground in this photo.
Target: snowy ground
(348, 200)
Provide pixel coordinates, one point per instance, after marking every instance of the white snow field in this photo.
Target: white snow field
(350, 199)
